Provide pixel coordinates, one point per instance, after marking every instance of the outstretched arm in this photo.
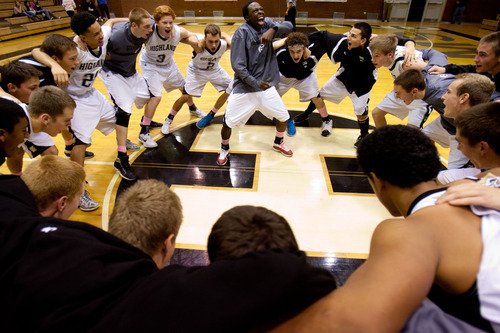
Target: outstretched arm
(188, 37)
(110, 22)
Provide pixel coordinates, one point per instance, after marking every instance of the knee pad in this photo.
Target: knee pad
(122, 117)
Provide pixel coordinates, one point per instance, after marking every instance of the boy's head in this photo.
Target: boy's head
(253, 13)
(399, 156)
(52, 108)
(296, 44)
(467, 90)
(56, 184)
(478, 134)
(487, 57)
(140, 22)
(359, 36)
(63, 50)
(164, 17)
(408, 84)
(13, 127)
(212, 37)
(383, 48)
(245, 229)
(148, 215)
(85, 25)
(20, 79)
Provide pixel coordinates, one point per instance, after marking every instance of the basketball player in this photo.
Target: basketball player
(13, 128)
(160, 69)
(413, 84)
(20, 79)
(93, 110)
(448, 254)
(297, 61)
(356, 75)
(124, 85)
(468, 90)
(256, 74)
(487, 61)
(387, 53)
(205, 67)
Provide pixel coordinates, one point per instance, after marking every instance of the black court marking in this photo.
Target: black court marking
(461, 34)
(15, 53)
(346, 176)
(341, 268)
(173, 163)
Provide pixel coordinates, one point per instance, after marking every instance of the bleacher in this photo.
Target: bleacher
(14, 27)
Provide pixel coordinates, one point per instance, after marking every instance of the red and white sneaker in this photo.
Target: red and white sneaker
(223, 157)
(284, 150)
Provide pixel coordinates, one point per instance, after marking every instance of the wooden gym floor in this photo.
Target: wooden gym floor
(320, 190)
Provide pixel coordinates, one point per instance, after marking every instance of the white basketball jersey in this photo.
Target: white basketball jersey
(83, 77)
(206, 60)
(396, 67)
(158, 50)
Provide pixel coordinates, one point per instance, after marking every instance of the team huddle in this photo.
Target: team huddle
(268, 60)
(435, 270)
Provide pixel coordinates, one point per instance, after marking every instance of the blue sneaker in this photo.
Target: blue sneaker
(290, 127)
(203, 122)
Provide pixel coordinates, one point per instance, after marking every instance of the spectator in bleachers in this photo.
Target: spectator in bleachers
(90, 6)
(69, 7)
(21, 10)
(47, 14)
(103, 8)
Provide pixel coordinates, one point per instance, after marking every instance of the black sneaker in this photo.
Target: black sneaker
(301, 117)
(88, 154)
(122, 165)
(154, 124)
(358, 140)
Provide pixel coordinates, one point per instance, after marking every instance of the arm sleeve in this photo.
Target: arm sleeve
(457, 69)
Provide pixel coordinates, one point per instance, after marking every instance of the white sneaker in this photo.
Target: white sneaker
(197, 113)
(165, 129)
(132, 145)
(326, 127)
(145, 139)
(223, 157)
(87, 204)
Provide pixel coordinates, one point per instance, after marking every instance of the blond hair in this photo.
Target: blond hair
(478, 86)
(51, 177)
(50, 100)
(146, 214)
(137, 14)
(385, 43)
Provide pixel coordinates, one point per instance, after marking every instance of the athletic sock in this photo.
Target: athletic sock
(144, 129)
(224, 146)
(192, 107)
(363, 126)
(121, 154)
(325, 118)
(310, 108)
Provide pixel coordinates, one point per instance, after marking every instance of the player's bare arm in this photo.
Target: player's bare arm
(383, 292)
(61, 77)
(227, 37)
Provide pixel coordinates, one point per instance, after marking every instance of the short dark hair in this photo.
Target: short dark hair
(366, 30)
(401, 155)
(493, 39)
(481, 123)
(245, 229)
(10, 114)
(409, 79)
(81, 21)
(57, 45)
(212, 29)
(244, 10)
(17, 72)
